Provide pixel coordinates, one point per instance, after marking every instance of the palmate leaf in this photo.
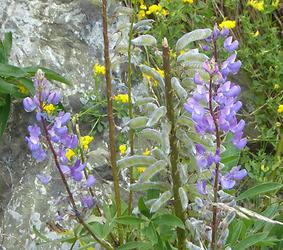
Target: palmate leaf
(50, 74)
(195, 35)
(4, 114)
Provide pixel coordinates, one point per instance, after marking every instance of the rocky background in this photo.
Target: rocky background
(66, 36)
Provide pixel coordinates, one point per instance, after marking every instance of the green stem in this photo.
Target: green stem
(115, 172)
(181, 234)
(131, 115)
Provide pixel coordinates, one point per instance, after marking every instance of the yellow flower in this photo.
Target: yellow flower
(49, 108)
(165, 12)
(182, 52)
(146, 152)
(264, 168)
(69, 154)
(23, 89)
(141, 169)
(278, 124)
(161, 72)
(258, 5)
(122, 149)
(154, 9)
(255, 34)
(141, 14)
(188, 1)
(276, 86)
(229, 24)
(98, 69)
(124, 98)
(280, 109)
(275, 3)
(143, 7)
(85, 141)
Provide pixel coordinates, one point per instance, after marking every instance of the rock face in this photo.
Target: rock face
(66, 36)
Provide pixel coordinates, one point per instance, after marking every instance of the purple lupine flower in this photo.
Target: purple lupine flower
(90, 181)
(229, 45)
(29, 104)
(201, 187)
(228, 180)
(44, 179)
(87, 201)
(70, 141)
(54, 97)
(224, 32)
(76, 170)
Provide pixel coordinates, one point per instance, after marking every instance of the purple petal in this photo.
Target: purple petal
(87, 202)
(77, 175)
(227, 183)
(44, 179)
(65, 169)
(29, 104)
(90, 181)
(199, 148)
(201, 187)
(54, 98)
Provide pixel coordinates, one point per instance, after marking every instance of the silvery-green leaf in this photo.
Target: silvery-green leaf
(159, 154)
(144, 40)
(152, 73)
(151, 134)
(195, 138)
(192, 56)
(144, 28)
(183, 198)
(135, 161)
(223, 238)
(176, 85)
(188, 82)
(183, 136)
(166, 128)
(145, 22)
(193, 65)
(185, 121)
(149, 185)
(144, 100)
(150, 107)
(123, 10)
(162, 200)
(152, 170)
(191, 246)
(138, 122)
(183, 173)
(195, 35)
(156, 115)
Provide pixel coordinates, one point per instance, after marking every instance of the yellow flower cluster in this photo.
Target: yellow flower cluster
(188, 1)
(229, 24)
(23, 89)
(258, 5)
(85, 141)
(69, 154)
(280, 109)
(124, 98)
(122, 149)
(49, 108)
(275, 3)
(98, 69)
(155, 9)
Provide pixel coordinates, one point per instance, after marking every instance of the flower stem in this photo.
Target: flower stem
(181, 234)
(131, 115)
(115, 173)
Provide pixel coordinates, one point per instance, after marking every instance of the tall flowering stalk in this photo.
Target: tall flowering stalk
(213, 107)
(51, 132)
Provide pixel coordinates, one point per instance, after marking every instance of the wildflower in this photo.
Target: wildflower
(49, 108)
(44, 179)
(141, 169)
(264, 168)
(201, 187)
(164, 12)
(160, 72)
(124, 98)
(154, 9)
(122, 149)
(143, 7)
(85, 141)
(278, 124)
(23, 89)
(98, 69)
(54, 98)
(29, 104)
(276, 86)
(146, 152)
(182, 52)
(229, 24)
(90, 181)
(257, 5)
(229, 45)
(87, 201)
(141, 14)
(255, 34)
(275, 3)
(69, 154)
(188, 1)
(280, 109)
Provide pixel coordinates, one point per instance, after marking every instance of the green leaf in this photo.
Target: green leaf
(162, 186)
(39, 234)
(130, 220)
(169, 220)
(161, 201)
(7, 88)
(235, 231)
(136, 245)
(259, 189)
(155, 116)
(195, 35)
(28, 84)
(143, 208)
(138, 122)
(50, 74)
(7, 44)
(250, 241)
(136, 160)
(7, 70)
(144, 40)
(4, 114)
(152, 170)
